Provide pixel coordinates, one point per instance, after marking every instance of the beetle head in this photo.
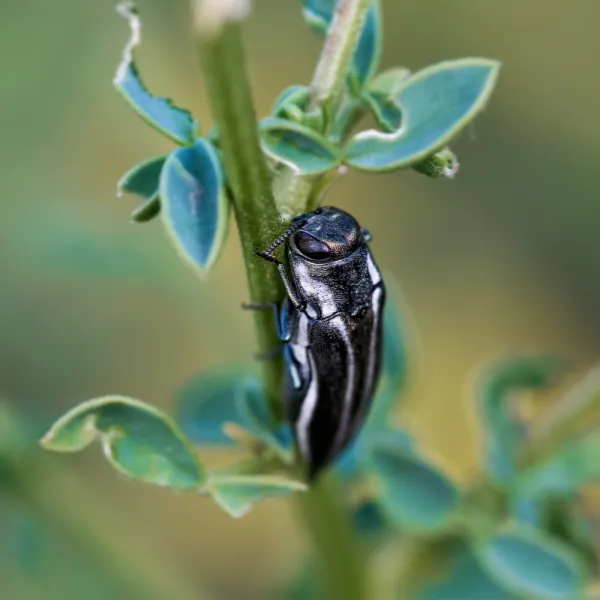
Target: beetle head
(327, 234)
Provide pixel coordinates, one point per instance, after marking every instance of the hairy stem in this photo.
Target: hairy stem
(248, 177)
(342, 38)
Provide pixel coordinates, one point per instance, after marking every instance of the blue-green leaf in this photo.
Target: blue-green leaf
(295, 96)
(437, 103)
(143, 180)
(195, 207)
(564, 473)
(503, 432)
(302, 149)
(464, 579)
(208, 401)
(319, 14)
(415, 493)
(386, 112)
(257, 418)
(236, 494)
(160, 113)
(531, 564)
(138, 441)
(369, 520)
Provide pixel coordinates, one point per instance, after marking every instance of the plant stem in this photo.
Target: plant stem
(326, 90)
(338, 552)
(247, 174)
(259, 223)
(342, 38)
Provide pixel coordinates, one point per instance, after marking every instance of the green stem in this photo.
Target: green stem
(259, 224)
(247, 174)
(333, 66)
(338, 551)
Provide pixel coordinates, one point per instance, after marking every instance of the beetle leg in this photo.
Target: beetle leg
(289, 286)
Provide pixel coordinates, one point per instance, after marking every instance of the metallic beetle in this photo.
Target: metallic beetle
(331, 324)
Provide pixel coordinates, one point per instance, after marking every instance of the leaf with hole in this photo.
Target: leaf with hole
(159, 113)
(195, 207)
(531, 564)
(143, 180)
(494, 394)
(138, 441)
(300, 148)
(415, 493)
(436, 103)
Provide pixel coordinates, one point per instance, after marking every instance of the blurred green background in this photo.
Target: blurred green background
(502, 259)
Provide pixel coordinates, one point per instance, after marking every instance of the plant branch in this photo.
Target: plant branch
(248, 178)
(338, 551)
(333, 66)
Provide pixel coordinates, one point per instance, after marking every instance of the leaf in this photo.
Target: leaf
(256, 416)
(138, 441)
(294, 96)
(503, 432)
(302, 149)
(208, 401)
(386, 112)
(143, 180)
(319, 14)
(563, 474)
(415, 493)
(195, 207)
(437, 103)
(529, 563)
(237, 494)
(159, 113)
(464, 580)
(369, 520)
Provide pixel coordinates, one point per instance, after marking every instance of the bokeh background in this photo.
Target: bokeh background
(502, 259)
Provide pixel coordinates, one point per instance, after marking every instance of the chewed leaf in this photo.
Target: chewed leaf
(143, 180)
(138, 440)
(464, 579)
(319, 15)
(531, 564)
(437, 103)
(301, 148)
(195, 207)
(160, 113)
(384, 109)
(237, 494)
(210, 400)
(504, 433)
(415, 493)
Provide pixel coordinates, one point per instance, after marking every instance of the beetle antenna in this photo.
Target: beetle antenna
(267, 253)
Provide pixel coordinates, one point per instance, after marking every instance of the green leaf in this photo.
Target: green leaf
(503, 432)
(464, 579)
(143, 180)
(208, 401)
(255, 412)
(437, 103)
(415, 493)
(236, 494)
(160, 113)
(195, 207)
(295, 96)
(319, 14)
(385, 111)
(389, 83)
(302, 149)
(563, 474)
(138, 441)
(531, 564)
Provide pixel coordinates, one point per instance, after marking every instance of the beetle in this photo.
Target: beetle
(331, 327)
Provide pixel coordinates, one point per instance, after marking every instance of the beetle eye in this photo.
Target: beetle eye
(311, 246)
